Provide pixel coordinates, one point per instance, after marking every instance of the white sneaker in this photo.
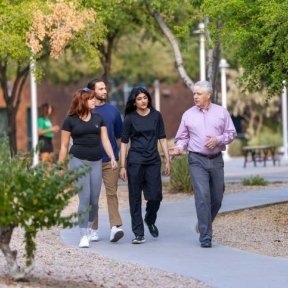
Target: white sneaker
(84, 242)
(93, 235)
(116, 234)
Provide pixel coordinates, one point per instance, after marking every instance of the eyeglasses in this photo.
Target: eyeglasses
(85, 89)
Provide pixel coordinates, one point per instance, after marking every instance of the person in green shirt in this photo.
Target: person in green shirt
(46, 132)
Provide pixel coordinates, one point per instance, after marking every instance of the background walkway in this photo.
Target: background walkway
(177, 249)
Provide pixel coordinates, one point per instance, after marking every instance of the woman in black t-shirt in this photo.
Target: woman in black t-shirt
(143, 126)
(87, 131)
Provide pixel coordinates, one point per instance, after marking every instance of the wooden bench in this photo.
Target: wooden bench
(259, 153)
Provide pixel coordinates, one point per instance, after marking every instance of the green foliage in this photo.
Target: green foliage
(255, 181)
(14, 23)
(70, 67)
(257, 30)
(143, 59)
(268, 137)
(34, 197)
(180, 180)
(235, 148)
(256, 111)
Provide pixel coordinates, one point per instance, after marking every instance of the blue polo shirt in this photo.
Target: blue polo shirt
(113, 122)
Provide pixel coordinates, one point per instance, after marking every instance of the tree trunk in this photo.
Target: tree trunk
(175, 46)
(214, 59)
(106, 56)
(259, 125)
(10, 255)
(12, 128)
(12, 99)
(251, 124)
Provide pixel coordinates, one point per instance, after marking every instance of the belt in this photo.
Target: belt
(209, 156)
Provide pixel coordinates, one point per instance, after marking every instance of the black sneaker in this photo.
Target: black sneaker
(206, 244)
(153, 229)
(138, 240)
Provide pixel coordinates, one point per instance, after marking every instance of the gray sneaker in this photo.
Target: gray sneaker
(138, 240)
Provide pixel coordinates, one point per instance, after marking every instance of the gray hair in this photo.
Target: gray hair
(204, 84)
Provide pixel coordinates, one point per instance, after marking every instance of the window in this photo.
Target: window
(3, 122)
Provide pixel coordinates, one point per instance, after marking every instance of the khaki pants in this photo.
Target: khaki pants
(110, 179)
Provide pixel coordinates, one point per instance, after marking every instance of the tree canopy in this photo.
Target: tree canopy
(257, 31)
(19, 26)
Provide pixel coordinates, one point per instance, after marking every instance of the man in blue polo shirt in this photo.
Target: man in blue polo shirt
(113, 121)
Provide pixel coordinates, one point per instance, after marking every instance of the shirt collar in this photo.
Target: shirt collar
(205, 109)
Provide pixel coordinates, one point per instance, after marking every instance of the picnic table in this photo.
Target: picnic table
(259, 153)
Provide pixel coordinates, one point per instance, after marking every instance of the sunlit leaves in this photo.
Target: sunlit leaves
(59, 26)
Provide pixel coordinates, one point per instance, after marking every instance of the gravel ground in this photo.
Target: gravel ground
(262, 230)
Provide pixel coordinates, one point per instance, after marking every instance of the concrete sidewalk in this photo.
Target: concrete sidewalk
(235, 172)
(177, 248)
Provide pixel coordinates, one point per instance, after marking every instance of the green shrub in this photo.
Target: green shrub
(32, 198)
(235, 148)
(180, 180)
(254, 181)
(267, 137)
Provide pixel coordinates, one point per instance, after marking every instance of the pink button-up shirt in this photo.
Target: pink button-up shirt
(197, 125)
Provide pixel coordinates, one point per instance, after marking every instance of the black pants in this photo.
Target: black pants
(146, 178)
(46, 144)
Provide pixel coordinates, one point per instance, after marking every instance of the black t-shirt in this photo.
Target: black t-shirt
(86, 136)
(144, 132)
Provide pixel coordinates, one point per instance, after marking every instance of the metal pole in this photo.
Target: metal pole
(34, 112)
(223, 65)
(201, 27)
(157, 94)
(284, 120)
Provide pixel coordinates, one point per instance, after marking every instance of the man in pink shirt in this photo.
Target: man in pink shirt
(205, 130)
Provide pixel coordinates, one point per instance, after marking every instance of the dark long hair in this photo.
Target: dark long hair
(43, 110)
(79, 105)
(130, 105)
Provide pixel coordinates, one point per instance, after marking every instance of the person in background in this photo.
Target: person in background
(113, 122)
(143, 126)
(205, 130)
(88, 132)
(46, 132)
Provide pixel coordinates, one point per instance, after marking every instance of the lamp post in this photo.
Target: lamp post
(202, 59)
(223, 65)
(157, 94)
(284, 120)
(34, 114)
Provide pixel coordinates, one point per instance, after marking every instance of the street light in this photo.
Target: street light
(223, 65)
(157, 94)
(34, 112)
(284, 120)
(201, 32)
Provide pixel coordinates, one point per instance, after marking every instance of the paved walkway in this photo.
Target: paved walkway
(177, 249)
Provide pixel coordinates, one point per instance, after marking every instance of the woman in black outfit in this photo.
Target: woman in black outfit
(143, 126)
